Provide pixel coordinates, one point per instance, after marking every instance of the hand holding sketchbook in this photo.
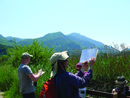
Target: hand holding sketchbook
(42, 72)
(87, 54)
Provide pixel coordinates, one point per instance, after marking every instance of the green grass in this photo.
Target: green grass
(105, 70)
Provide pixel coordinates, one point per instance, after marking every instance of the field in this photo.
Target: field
(105, 70)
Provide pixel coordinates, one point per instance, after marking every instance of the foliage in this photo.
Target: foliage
(105, 70)
(47, 69)
(14, 90)
(3, 49)
(3, 58)
(6, 77)
(40, 55)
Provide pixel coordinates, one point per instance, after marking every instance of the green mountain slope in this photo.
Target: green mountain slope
(6, 42)
(86, 39)
(12, 38)
(57, 40)
(25, 42)
(60, 42)
(82, 43)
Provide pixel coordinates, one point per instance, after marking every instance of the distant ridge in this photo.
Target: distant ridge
(81, 37)
(1, 37)
(60, 42)
(12, 38)
(6, 42)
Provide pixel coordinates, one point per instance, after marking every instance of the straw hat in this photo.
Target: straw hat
(54, 58)
(121, 80)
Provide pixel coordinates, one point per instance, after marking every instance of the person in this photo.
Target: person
(67, 83)
(26, 77)
(82, 91)
(121, 89)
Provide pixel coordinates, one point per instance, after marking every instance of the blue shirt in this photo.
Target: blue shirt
(68, 84)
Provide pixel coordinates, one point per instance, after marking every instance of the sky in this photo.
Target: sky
(106, 21)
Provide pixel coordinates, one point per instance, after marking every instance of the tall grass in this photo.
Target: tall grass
(6, 77)
(105, 70)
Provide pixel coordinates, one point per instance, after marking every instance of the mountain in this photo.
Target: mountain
(25, 42)
(6, 42)
(86, 42)
(57, 40)
(80, 37)
(12, 38)
(61, 42)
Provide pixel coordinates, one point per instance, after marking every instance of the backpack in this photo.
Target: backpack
(49, 89)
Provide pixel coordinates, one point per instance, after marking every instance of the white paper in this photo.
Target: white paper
(43, 72)
(87, 54)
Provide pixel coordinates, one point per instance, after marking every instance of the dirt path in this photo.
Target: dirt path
(1, 93)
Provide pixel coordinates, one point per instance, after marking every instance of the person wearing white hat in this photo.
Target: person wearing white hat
(26, 77)
(122, 89)
(67, 83)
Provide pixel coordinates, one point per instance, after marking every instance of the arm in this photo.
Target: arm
(79, 82)
(85, 64)
(35, 77)
(82, 82)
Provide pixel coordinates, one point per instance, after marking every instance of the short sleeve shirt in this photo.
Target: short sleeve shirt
(25, 82)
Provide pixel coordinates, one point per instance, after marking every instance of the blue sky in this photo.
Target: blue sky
(107, 21)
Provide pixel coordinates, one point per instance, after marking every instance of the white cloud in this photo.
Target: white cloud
(38, 35)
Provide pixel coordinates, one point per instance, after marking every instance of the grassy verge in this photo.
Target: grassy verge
(105, 70)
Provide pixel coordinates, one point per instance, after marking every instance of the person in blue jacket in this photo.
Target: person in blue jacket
(67, 83)
(122, 88)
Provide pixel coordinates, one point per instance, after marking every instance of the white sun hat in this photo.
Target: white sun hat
(54, 58)
(121, 80)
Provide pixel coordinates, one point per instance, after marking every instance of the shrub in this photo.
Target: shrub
(6, 77)
(14, 90)
(40, 55)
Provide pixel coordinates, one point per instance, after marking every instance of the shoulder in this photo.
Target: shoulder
(26, 67)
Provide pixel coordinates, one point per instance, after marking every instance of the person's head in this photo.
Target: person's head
(26, 57)
(78, 66)
(121, 81)
(59, 60)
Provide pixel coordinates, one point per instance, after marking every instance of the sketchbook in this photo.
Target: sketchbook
(87, 54)
(42, 72)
